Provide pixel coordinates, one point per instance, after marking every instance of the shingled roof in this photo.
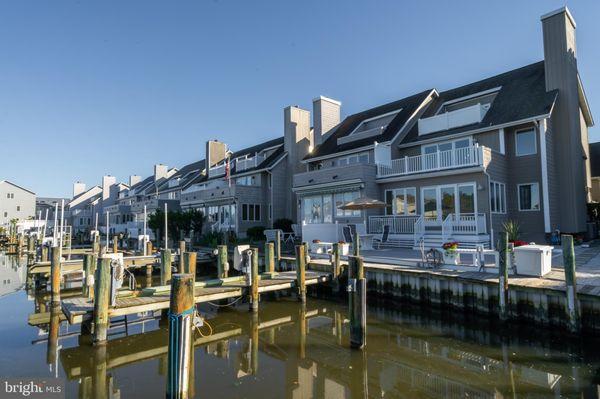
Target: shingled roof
(522, 96)
(407, 105)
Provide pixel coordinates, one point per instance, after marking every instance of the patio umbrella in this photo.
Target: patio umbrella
(362, 203)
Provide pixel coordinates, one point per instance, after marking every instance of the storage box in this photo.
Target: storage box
(533, 260)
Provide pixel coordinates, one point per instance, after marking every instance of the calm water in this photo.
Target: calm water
(295, 352)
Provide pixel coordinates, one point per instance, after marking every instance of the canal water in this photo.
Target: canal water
(291, 351)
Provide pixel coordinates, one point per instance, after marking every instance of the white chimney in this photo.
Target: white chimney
(134, 179)
(78, 188)
(107, 182)
(326, 115)
(160, 171)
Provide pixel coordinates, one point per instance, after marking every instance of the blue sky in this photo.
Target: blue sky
(113, 87)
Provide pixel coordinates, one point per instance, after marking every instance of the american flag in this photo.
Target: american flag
(228, 171)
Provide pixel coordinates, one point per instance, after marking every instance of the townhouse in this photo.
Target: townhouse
(457, 164)
(16, 202)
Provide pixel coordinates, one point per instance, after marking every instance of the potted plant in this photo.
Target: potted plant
(450, 253)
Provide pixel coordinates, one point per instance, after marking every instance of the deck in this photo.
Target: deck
(80, 309)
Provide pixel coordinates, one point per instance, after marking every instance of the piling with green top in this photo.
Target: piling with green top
(573, 317)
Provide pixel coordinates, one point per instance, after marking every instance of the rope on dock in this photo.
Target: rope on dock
(227, 304)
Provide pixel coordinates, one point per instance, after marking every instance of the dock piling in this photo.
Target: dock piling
(571, 283)
(301, 272)
(165, 267)
(270, 258)
(356, 243)
(44, 253)
(254, 281)
(336, 264)
(55, 275)
(189, 264)
(101, 300)
(357, 301)
(503, 277)
(222, 263)
(181, 247)
(115, 243)
(88, 275)
(181, 316)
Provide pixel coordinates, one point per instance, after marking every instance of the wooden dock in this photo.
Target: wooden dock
(70, 266)
(80, 309)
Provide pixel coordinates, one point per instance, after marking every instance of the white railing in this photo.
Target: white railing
(399, 224)
(448, 120)
(441, 160)
(248, 163)
(465, 223)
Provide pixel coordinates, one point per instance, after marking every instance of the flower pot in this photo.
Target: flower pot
(450, 258)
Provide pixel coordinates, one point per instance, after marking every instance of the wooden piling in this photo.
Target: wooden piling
(30, 244)
(277, 246)
(181, 247)
(254, 341)
(357, 301)
(503, 277)
(55, 275)
(573, 317)
(115, 244)
(53, 330)
(222, 263)
(189, 264)
(44, 253)
(270, 258)
(181, 316)
(149, 248)
(356, 244)
(148, 275)
(165, 267)
(89, 261)
(301, 272)
(96, 246)
(101, 300)
(254, 281)
(336, 261)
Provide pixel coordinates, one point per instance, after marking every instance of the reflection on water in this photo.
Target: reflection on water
(291, 351)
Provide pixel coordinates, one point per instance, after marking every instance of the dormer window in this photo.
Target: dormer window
(376, 124)
(485, 99)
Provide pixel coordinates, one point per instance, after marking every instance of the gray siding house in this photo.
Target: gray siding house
(16, 202)
(457, 164)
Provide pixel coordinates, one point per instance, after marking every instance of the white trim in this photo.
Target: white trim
(403, 190)
(502, 187)
(451, 141)
(438, 195)
(311, 187)
(501, 139)
(480, 130)
(559, 11)
(544, 159)
(424, 103)
(519, 197)
(535, 151)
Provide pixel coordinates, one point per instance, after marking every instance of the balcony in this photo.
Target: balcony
(336, 175)
(448, 120)
(242, 164)
(216, 170)
(437, 161)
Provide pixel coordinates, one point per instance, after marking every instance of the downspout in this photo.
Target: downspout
(270, 206)
(492, 246)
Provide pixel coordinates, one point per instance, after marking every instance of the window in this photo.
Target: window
(401, 201)
(341, 199)
(497, 197)
(247, 181)
(251, 212)
(18, 208)
(8, 195)
(529, 197)
(454, 105)
(270, 212)
(525, 142)
(5, 214)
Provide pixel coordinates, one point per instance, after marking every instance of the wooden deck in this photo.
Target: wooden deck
(79, 309)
